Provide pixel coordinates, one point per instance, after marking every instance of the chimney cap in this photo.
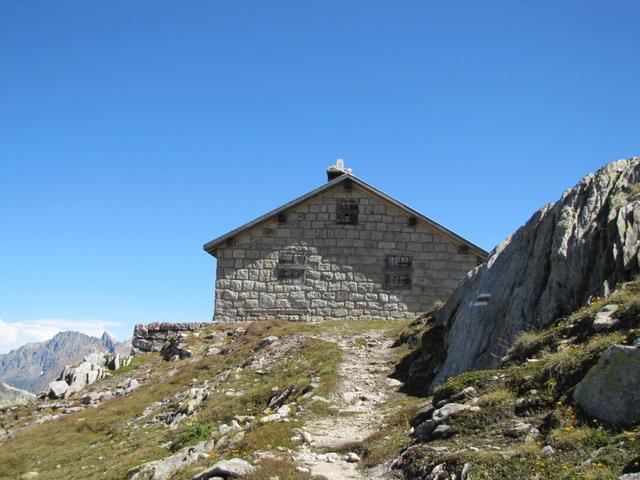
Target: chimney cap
(334, 171)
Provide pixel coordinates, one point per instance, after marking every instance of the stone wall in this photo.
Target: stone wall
(153, 336)
(345, 264)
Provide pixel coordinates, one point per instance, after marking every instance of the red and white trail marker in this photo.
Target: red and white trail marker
(482, 300)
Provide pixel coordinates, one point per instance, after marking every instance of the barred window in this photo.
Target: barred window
(397, 271)
(347, 212)
(291, 267)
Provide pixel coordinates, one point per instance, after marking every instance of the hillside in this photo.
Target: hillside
(32, 366)
(13, 396)
(531, 370)
(276, 394)
(301, 401)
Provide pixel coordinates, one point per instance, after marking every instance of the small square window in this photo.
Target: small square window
(400, 281)
(347, 212)
(397, 271)
(282, 218)
(292, 266)
(402, 262)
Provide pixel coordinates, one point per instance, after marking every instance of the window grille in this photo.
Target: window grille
(291, 267)
(347, 212)
(397, 271)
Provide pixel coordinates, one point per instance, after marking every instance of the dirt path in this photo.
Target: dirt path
(357, 400)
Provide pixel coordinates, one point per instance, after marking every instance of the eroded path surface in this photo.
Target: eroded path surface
(356, 407)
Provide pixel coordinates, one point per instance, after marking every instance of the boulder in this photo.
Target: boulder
(117, 361)
(451, 410)
(96, 358)
(89, 398)
(235, 467)
(604, 318)
(392, 382)
(265, 342)
(57, 389)
(30, 475)
(352, 457)
(165, 468)
(581, 246)
(610, 391)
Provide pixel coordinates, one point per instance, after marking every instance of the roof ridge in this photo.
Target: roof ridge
(209, 247)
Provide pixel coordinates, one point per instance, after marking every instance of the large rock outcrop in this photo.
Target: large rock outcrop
(94, 367)
(582, 245)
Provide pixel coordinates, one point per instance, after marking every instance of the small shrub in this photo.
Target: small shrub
(530, 343)
(195, 432)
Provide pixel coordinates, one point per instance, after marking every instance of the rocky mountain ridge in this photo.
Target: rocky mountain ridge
(580, 247)
(32, 366)
(13, 396)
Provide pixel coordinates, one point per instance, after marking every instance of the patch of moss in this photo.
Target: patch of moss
(479, 379)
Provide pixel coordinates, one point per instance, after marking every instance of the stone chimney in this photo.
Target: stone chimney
(334, 171)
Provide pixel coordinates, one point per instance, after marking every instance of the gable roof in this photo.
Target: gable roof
(211, 246)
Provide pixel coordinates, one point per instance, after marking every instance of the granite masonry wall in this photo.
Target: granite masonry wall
(336, 270)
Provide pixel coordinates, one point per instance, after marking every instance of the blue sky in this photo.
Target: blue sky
(133, 132)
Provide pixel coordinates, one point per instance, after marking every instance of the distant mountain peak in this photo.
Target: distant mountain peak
(108, 341)
(32, 366)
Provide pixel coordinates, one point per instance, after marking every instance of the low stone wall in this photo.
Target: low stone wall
(153, 336)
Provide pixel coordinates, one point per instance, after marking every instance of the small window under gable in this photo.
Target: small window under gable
(397, 271)
(347, 212)
(292, 266)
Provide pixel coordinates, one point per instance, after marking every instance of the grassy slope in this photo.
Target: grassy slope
(545, 366)
(105, 442)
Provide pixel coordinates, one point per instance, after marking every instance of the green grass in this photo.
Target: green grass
(479, 379)
(195, 432)
(77, 440)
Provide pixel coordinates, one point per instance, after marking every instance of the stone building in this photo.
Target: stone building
(344, 250)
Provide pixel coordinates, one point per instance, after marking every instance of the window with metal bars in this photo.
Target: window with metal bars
(347, 212)
(397, 271)
(292, 266)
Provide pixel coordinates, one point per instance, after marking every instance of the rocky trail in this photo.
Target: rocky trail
(356, 407)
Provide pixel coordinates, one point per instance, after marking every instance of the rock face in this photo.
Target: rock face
(74, 378)
(582, 245)
(610, 391)
(32, 366)
(13, 396)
